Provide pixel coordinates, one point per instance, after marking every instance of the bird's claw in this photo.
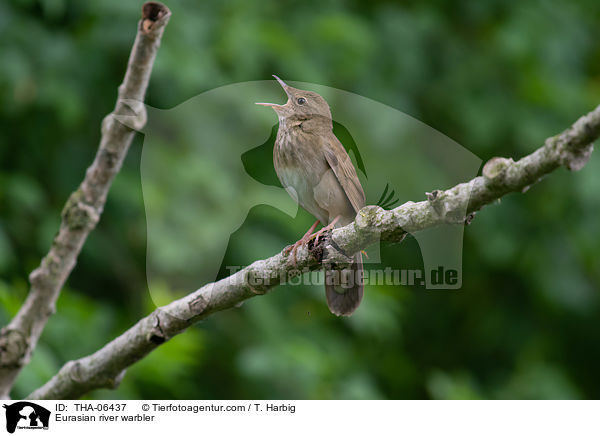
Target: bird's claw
(308, 237)
(324, 230)
(320, 234)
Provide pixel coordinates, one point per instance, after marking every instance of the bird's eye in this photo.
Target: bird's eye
(301, 100)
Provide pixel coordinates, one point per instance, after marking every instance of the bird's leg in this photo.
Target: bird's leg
(303, 240)
(326, 229)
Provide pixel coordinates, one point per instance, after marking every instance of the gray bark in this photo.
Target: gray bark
(84, 207)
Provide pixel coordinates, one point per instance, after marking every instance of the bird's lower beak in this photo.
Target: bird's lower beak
(273, 105)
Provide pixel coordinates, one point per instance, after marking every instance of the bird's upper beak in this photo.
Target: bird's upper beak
(287, 90)
(284, 85)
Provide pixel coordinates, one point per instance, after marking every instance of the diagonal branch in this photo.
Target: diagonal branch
(84, 207)
(106, 367)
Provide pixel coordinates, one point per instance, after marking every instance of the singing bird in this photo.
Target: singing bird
(316, 171)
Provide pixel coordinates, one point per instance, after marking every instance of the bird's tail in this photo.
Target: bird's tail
(344, 288)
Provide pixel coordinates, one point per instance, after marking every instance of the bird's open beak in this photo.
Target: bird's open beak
(285, 87)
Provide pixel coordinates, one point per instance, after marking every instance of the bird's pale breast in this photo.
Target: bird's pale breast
(303, 171)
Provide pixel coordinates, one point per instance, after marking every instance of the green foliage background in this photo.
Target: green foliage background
(497, 77)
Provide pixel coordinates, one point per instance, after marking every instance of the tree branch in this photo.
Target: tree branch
(106, 367)
(84, 207)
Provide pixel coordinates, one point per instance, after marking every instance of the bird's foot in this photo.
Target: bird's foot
(328, 228)
(304, 240)
(309, 236)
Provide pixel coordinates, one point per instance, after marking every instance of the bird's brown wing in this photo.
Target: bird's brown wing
(344, 171)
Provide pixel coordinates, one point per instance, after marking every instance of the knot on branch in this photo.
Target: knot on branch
(495, 169)
(584, 131)
(575, 158)
(129, 112)
(73, 369)
(433, 195)
(78, 215)
(197, 304)
(39, 276)
(154, 15)
(448, 207)
(368, 220)
(435, 200)
(156, 335)
(13, 347)
(316, 248)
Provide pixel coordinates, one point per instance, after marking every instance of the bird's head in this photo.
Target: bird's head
(301, 105)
